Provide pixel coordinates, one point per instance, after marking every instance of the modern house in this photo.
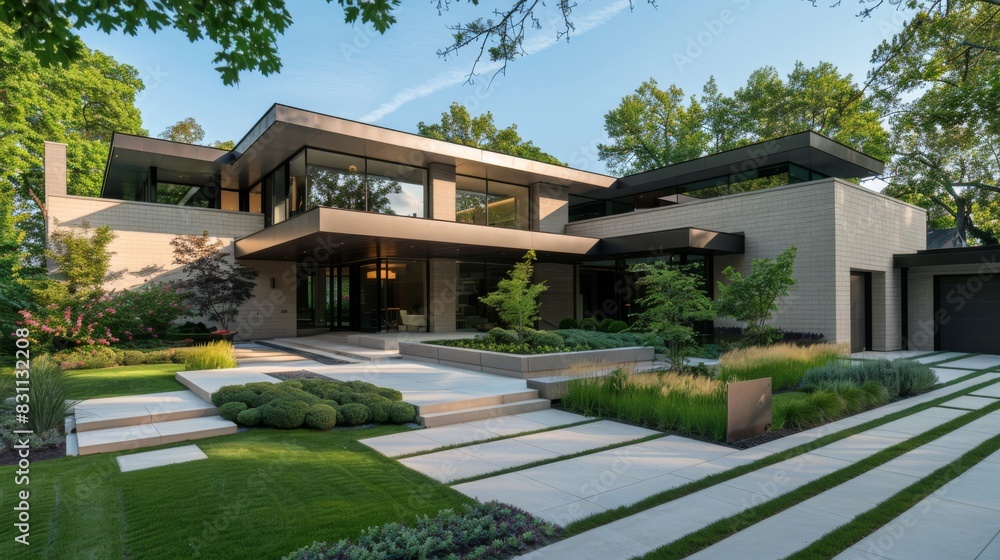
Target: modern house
(356, 227)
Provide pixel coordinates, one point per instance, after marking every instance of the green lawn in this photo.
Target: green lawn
(125, 380)
(260, 494)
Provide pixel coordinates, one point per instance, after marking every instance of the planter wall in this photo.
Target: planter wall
(528, 366)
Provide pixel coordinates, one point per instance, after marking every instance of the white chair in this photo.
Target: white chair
(407, 320)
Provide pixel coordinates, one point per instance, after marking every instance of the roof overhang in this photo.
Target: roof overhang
(131, 158)
(283, 130)
(683, 240)
(330, 234)
(988, 257)
(807, 149)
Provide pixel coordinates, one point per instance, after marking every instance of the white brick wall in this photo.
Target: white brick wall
(143, 235)
(837, 226)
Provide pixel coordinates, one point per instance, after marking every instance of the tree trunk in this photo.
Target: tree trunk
(962, 219)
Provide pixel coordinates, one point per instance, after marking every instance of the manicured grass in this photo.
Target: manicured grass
(260, 494)
(608, 516)
(726, 527)
(125, 380)
(785, 364)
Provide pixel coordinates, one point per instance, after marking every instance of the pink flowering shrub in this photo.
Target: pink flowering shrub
(145, 312)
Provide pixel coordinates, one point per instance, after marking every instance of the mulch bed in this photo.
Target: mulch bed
(11, 457)
(286, 375)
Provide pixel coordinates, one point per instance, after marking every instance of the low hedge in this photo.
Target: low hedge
(96, 357)
(901, 378)
(319, 404)
(563, 340)
(490, 531)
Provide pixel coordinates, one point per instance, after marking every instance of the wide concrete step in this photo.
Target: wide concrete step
(483, 412)
(477, 402)
(148, 435)
(118, 412)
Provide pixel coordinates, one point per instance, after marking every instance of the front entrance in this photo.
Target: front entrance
(861, 306)
(371, 296)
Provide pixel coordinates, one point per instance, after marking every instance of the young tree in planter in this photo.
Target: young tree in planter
(753, 298)
(82, 257)
(674, 301)
(215, 285)
(516, 298)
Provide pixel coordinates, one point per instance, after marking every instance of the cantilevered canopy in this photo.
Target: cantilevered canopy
(331, 234)
(986, 257)
(132, 157)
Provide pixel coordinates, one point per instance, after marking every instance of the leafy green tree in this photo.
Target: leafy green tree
(215, 285)
(14, 293)
(81, 104)
(247, 35)
(459, 126)
(185, 130)
(753, 298)
(82, 257)
(674, 300)
(656, 127)
(516, 297)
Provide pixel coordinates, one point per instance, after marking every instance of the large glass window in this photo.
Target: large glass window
(297, 184)
(478, 201)
(396, 189)
(470, 200)
(336, 180)
(279, 195)
(231, 200)
(255, 199)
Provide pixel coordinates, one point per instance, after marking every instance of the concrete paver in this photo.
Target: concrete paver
(969, 402)
(160, 457)
(946, 375)
(939, 357)
(983, 361)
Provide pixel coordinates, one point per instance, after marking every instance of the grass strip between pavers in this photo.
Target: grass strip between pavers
(557, 459)
(497, 438)
(842, 538)
(608, 516)
(723, 528)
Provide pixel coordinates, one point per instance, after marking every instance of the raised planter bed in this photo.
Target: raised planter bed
(529, 366)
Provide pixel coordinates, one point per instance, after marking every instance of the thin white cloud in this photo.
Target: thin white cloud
(539, 42)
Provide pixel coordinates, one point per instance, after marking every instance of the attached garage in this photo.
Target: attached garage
(968, 313)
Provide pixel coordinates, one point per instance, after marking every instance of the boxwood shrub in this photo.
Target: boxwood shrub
(491, 531)
(319, 404)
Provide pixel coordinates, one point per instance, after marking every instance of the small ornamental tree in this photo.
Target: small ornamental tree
(215, 285)
(516, 298)
(674, 300)
(82, 257)
(753, 298)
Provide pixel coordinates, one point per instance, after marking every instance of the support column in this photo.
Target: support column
(441, 181)
(55, 168)
(443, 288)
(559, 301)
(549, 208)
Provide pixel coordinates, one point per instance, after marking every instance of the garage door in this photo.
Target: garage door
(969, 308)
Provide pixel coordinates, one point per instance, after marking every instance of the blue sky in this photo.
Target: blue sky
(557, 95)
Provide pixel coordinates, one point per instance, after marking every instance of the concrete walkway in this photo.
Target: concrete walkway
(648, 530)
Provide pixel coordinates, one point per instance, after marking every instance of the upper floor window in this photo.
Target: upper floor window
(479, 201)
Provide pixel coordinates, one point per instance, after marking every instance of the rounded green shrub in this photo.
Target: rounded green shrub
(401, 412)
(569, 323)
(617, 326)
(231, 410)
(503, 336)
(391, 394)
(361, 386)
(260, 393)
(232, 393)
(605, 324)
(589, 324)
(284, 414)
(249, 417)
(353, 414)
(379, 412)
(133, 358)
(545, 338)
(321, 417)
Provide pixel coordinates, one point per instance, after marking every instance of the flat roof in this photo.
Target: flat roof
(807, 149)
(988, 256)
(282, 131)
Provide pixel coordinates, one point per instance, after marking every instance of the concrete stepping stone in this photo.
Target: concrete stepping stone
(992, 391)
(160, 457)
(940, 357)
(478, 459)
(983, 361)
(946, 375)
(969, 402)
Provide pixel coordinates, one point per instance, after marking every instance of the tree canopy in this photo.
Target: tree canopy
(654, 127)
(247, 34)
(459, 126)
(81, 104)
(185, 130)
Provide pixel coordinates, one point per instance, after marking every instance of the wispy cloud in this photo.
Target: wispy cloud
(537, 43)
